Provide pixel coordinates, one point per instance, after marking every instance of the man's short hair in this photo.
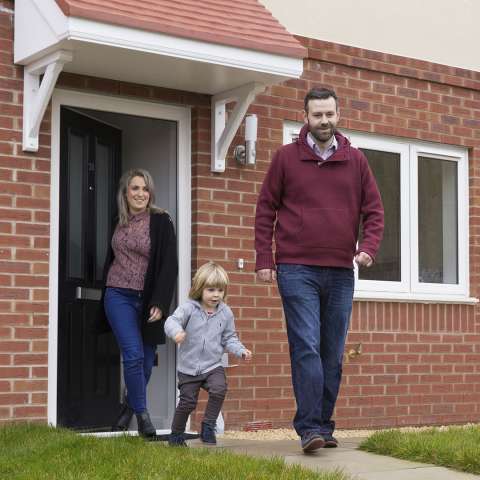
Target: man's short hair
(319, 93)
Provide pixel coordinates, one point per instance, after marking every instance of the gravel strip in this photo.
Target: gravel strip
(290, 434)
(287, 434)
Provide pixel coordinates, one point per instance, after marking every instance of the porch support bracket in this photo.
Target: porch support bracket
(223, 132)
(37, 94)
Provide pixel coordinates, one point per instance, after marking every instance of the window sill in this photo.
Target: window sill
(363, 296)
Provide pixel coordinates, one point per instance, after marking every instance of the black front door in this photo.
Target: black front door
(88, 383)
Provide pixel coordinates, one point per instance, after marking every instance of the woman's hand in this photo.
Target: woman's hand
(180, 337)
(155, 314)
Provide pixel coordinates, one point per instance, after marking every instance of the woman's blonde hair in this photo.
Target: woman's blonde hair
(122, 204)
(208, 275)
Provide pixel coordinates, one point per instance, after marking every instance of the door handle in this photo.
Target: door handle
(83, 293)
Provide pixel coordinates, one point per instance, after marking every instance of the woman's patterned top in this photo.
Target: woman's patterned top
(131, 246)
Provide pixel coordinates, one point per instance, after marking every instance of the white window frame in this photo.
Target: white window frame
(409, 288)
(460, 157)
(402, 149)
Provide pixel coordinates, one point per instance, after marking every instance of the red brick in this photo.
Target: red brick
(14, 346)
(30, 412)
(14, 214)
(33, 177)
(31, 281)
(13, 293)
(13, 399)
(14, 372)
(30, 333)
(30, 359)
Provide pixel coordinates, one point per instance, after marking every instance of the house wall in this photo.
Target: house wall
(420, 362)
(24, 242)
(439, 31)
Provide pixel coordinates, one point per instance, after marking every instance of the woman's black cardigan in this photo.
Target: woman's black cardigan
(160, 278)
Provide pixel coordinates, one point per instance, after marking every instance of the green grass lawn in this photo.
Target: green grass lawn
(453, 447)
(38, 452)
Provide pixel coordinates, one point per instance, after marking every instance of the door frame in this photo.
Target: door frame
(179, 114)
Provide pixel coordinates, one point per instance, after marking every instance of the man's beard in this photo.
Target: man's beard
(322, 136)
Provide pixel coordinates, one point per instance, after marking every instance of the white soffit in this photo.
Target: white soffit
(138, 56)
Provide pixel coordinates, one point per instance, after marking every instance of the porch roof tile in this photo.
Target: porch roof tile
(244, 24)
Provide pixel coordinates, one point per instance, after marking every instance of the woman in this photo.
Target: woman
(140, 272)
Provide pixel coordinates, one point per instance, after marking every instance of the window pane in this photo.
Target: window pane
(437, 221)
(386, 168)
(76, 154)
(103, 175)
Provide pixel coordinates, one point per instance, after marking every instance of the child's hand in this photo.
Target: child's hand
(247, 355)
(180, 337)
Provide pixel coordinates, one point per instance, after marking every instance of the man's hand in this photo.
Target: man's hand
(266, 275)
(155, 314)
(180, 337)
(363, 260)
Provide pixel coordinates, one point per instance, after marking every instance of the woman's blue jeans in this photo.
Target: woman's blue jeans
(317, 302)
(123, 308)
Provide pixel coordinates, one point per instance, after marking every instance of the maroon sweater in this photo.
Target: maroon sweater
(315, 207)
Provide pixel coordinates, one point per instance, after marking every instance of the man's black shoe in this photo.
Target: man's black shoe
(330, 441)
(312, 441)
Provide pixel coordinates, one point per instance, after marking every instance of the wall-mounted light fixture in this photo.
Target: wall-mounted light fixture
(246, 154)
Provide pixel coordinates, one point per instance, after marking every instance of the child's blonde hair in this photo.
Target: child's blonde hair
(208, 275)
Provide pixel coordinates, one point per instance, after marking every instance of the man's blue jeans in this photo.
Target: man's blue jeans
(317, 302)
(123, 308)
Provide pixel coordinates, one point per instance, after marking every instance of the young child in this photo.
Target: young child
(203, 327)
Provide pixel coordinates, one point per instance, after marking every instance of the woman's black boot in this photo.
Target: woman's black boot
(124, 418)
(145, 425)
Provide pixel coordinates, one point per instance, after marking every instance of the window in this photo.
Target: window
(424, 188)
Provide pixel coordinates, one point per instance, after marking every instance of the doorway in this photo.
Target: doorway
(89, 388)
(88, 365)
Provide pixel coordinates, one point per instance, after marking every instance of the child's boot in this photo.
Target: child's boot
(177, 440)
(207, 434)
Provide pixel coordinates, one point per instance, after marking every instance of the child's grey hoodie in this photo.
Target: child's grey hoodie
(207, 336)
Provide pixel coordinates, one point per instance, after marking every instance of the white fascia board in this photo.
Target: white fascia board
(39, 25)
(133, 39)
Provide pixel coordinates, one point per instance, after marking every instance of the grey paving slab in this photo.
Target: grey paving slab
(351, 461)
(423, 473)
(360, 465)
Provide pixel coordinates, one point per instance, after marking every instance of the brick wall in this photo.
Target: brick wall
(420, 363)
(24, 241)
(24, 224)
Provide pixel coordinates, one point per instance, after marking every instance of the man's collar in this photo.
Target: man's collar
(313, 145)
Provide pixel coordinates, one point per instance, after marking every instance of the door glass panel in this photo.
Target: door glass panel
(76, 154)
(103, 176)
(437, 221)
(386, 168)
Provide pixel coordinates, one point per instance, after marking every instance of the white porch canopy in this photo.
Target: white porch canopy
(48, 42)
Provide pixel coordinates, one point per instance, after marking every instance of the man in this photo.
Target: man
(314, 196)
